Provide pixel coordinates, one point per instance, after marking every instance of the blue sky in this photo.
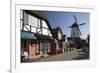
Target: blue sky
(66, 19)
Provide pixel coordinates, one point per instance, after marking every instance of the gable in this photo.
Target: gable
(35, 24)
(57, 33)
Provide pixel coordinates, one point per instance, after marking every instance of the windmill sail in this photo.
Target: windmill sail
(80, 32)
(82, 24)
(75, 18)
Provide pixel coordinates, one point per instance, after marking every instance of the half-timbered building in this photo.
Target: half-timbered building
(36, 33)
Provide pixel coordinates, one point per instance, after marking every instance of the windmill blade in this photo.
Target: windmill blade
(75, 18)
(70, 26)
(80, 32)
(82, 24)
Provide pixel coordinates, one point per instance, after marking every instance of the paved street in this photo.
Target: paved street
(72, 55)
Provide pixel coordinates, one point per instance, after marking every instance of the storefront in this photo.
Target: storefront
(36, 33)
(44, 43)
(28, 45)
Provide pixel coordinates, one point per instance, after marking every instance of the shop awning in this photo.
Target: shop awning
(43, 37)
(27, 35)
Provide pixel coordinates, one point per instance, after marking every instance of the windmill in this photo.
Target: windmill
(75, 31)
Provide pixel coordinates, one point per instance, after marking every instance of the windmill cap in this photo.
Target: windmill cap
(75, 25)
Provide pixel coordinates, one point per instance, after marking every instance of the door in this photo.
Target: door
(53, 48)
(32, 49)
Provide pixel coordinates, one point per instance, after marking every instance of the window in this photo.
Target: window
(49, 33)
(25, 18)
(59, 35)
(38, 23)
(49, 47)
(21, 24)
(33, 29)
(24, 45)
(27, 28)
(39, 31)
(33, 21)
(21, 13)
(45, 46)
(45, 31)
(21, 17)
(45, 28)
(44, 24)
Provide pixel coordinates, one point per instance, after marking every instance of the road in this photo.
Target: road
(77, 54)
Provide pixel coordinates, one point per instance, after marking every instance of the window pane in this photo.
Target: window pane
(33, 21)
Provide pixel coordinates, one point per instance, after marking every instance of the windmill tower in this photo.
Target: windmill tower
(75, 31)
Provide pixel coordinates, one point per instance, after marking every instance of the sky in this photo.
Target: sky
(66, 19)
